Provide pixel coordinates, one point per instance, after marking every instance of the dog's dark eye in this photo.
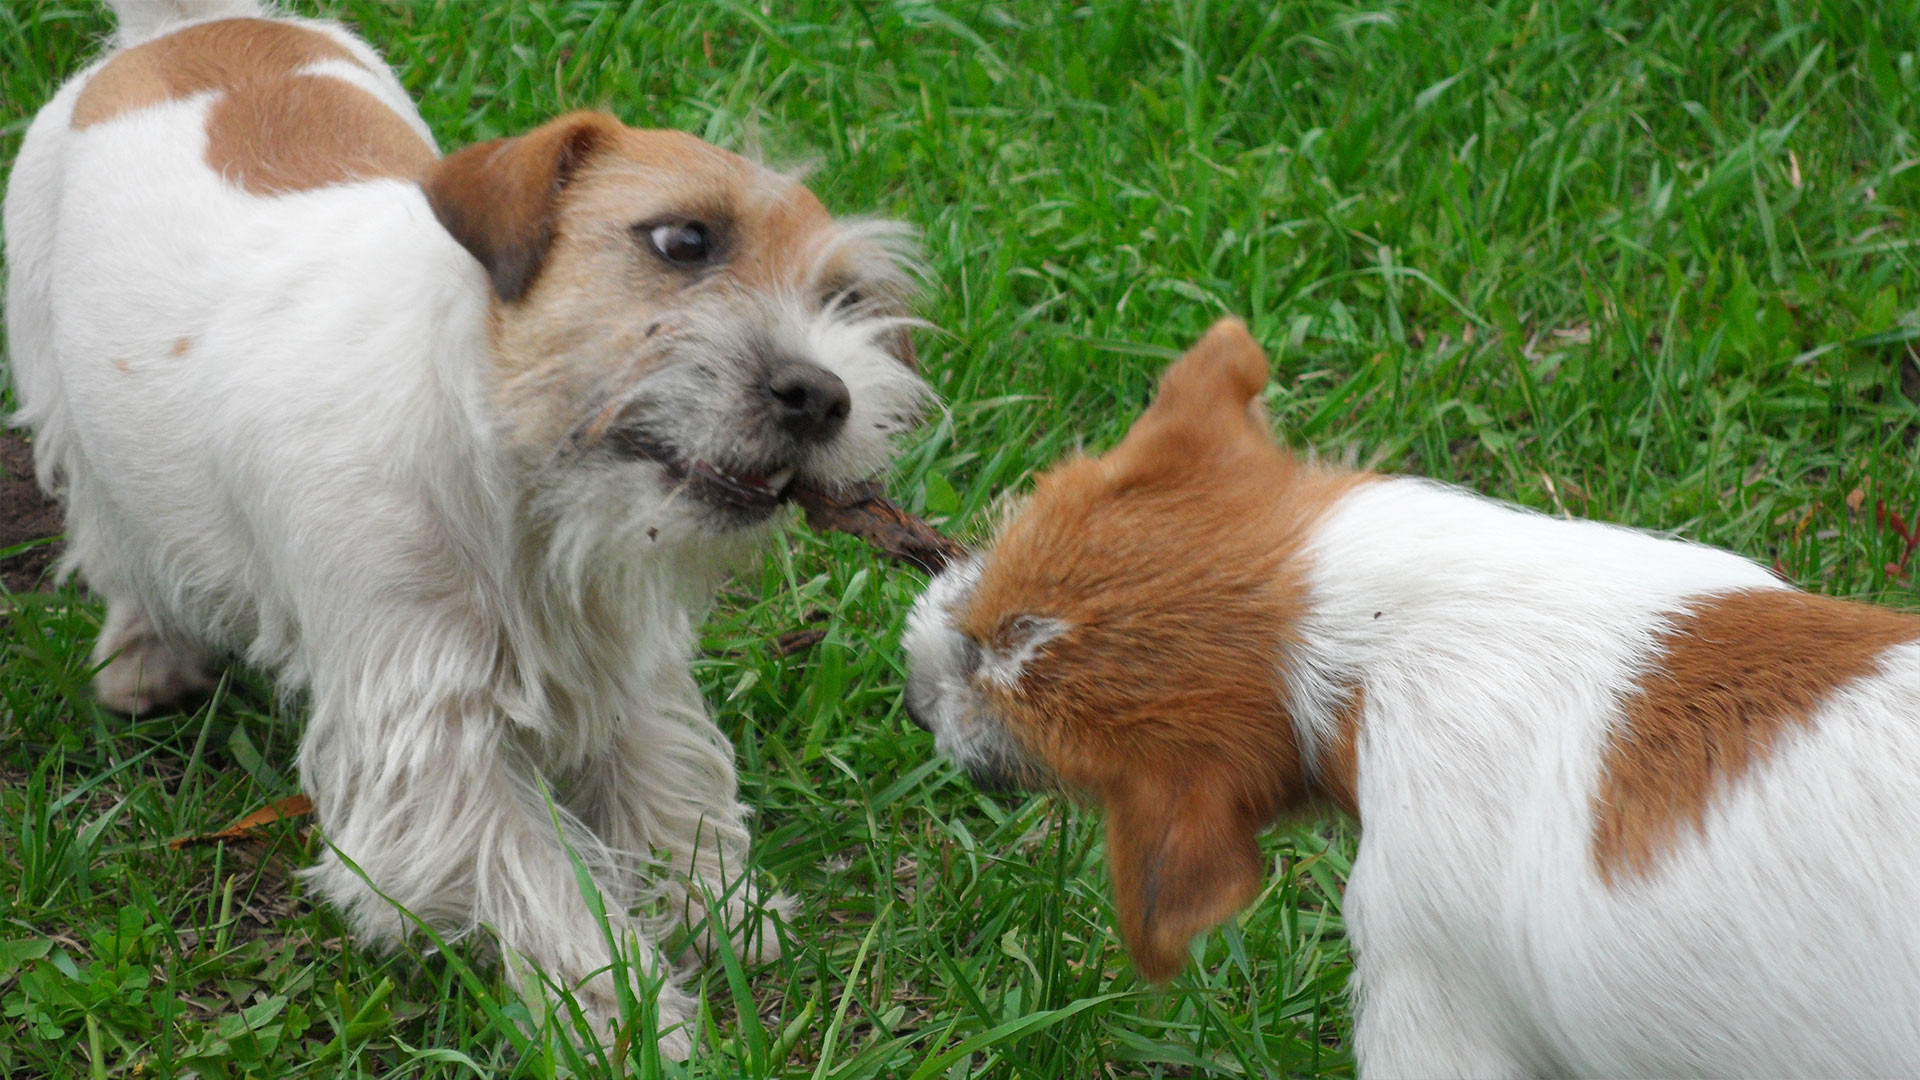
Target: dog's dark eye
(688, 243)
(970, 655)
(840, 295)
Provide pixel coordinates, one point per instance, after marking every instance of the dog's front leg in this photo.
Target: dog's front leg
(1409, 1022)
(442, 814)
(667, 785)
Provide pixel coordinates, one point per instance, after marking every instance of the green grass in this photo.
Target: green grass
(1649, 262)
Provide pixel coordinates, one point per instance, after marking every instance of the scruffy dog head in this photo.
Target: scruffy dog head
(1121, 642)
(664, 303)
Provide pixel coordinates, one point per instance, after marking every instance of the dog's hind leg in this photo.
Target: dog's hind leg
(437, 810)
(31, 215)
(667, 785)
(141, 671)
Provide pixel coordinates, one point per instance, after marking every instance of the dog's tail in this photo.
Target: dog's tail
(143, 20)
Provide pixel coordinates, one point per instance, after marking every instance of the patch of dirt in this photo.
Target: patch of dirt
(25, 514)
(263, 901)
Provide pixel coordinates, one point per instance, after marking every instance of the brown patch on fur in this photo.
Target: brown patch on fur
(219, 55)
(785, 234)
(510, 201)
(1738, 672)
(271, 131)
(785, 237)
(310, 131)
(180, 347)
(1337, 774)
(560, 218)
(1175, 563)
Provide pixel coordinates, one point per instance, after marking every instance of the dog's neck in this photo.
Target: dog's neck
(611, 589)
(1448, 636)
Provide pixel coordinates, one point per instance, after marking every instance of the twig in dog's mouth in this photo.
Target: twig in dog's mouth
(742, 489)
(862, 510)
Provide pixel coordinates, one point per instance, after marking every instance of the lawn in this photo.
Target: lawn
(1644, 262)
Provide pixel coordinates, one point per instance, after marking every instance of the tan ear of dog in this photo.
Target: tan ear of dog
(1184, 859)
(498, 198)
(1206, 407)
(1225, 367)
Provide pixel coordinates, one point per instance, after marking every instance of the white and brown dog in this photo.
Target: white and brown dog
(1630, 806)
(459, 447)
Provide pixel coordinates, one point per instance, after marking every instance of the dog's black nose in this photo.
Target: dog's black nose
(809, 402)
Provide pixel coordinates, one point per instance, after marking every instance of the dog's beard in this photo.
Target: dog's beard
(724, 496)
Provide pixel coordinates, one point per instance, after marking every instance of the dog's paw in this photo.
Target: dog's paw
(756, 926)
(751, 920)
(677, 1045)
(674, 1018)
(142, 674)
(588, 1008)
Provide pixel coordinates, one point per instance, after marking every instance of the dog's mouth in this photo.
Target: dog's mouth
(744, 493)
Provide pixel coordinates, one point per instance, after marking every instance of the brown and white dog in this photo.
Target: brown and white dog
(460, 448)
(1630, 806)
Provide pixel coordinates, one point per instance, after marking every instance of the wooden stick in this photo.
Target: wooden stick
(861, 510)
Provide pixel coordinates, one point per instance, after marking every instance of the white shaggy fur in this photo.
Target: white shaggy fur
(492, 640)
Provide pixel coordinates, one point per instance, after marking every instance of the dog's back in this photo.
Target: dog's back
(213, 177)
(1630, 806)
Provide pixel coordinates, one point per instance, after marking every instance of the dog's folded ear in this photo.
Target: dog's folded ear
(1184, 859)
(498, 198)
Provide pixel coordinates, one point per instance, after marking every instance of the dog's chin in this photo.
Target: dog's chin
(1000, 769)
(994, 780)
(728, 497)
(731, 500)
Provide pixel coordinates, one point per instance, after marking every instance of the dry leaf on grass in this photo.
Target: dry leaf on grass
(249, 827)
